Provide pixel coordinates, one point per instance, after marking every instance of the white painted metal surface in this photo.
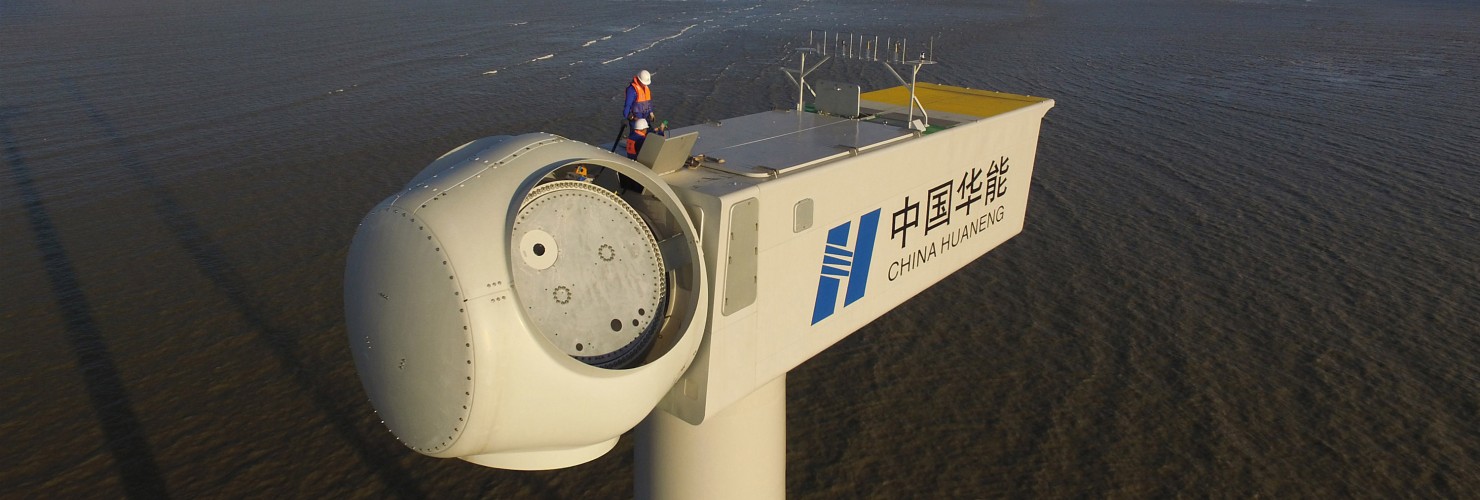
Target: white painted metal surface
(503, 316)
(887, 222)
(739, 454)
(440, 322)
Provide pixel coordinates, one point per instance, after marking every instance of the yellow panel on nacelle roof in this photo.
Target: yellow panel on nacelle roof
(959, 100)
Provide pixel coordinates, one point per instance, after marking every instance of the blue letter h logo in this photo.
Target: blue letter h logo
(839, 263)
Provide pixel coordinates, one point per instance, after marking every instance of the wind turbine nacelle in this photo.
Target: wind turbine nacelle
(815, 224)
(501, 313)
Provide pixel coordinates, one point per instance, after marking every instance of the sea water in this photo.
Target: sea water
(1249, 266)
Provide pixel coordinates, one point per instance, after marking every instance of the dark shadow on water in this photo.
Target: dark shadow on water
(210, 260)
(105, 390)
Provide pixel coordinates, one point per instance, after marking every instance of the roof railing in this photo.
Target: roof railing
(887, 51)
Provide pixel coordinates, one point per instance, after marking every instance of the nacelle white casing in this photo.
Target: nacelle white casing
(800, 260)
(440, 329)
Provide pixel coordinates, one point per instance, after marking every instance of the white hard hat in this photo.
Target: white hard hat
(641, 124)
(645, 77)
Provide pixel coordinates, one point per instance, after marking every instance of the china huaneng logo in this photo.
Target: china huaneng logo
(845, 263)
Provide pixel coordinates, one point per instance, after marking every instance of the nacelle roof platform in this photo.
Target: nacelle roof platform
(962, 103)
(773, 143)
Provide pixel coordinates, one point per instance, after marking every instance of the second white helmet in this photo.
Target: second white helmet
(645, 77)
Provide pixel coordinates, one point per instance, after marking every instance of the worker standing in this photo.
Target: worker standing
(639, 104)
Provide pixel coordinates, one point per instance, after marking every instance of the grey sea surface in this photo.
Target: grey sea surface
(1249, 267)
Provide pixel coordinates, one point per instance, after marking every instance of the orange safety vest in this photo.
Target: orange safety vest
(643, 104)
(632, 144)
(643, 93)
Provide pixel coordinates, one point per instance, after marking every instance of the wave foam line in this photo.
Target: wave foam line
(543, 57)
(654, 44)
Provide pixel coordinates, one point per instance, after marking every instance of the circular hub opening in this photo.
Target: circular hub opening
(588, 262)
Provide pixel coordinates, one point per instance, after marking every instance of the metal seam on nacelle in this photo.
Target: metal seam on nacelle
(487, 164)
(471, 367)
(516, 426)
